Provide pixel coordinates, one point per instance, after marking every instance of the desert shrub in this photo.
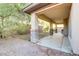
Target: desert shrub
(23, 29)
(5, 33)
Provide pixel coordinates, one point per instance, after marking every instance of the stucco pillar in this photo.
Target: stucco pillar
(65, 27)
(34, 28)
(51, 28)
(74, 20)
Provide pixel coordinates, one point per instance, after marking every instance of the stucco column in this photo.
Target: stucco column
(51, 28)
(34, 28)
(65, 27)
(74, 20)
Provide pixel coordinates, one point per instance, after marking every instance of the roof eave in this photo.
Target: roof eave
(33, 7)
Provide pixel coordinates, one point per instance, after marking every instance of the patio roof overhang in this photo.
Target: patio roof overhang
(35, 6)
(55, 12)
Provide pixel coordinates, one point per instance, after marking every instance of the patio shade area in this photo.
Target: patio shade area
(54, 13)
(56, 41)
(57, 14)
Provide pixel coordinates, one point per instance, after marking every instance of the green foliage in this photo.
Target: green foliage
(5, 10)
(12, 19)
(46, 29)
(23, 29)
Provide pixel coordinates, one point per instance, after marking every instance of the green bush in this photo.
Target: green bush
(46, 29)
(23, 29)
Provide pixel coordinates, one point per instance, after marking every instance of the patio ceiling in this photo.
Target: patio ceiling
(56, 13)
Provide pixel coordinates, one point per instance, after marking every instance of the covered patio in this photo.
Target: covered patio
(54, 13)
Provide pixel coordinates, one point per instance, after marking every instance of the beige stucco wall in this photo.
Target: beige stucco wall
(74, 27)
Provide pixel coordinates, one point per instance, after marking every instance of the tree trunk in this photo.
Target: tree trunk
(2, 32)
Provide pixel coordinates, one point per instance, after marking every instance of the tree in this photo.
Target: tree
(11, 10)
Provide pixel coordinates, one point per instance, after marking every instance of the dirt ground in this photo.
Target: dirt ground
(19, 46)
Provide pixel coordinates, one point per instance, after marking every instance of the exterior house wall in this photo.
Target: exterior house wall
(74, 27)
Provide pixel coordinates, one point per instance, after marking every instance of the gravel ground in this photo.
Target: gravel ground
(19, 47)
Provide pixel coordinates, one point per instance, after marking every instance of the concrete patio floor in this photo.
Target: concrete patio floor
(19, 47)
(56, 41)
